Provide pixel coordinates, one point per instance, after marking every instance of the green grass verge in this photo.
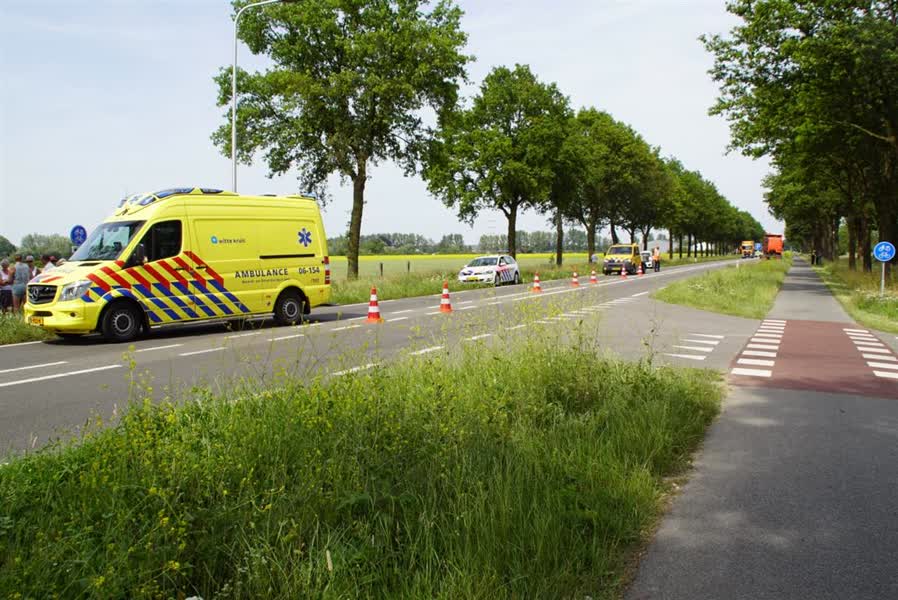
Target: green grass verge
(746, 291)
(530, 473)
(858, 292)
(14, 330)
(400, 284)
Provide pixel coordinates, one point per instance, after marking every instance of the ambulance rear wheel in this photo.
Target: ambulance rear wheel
(289, 308)
(121, 322)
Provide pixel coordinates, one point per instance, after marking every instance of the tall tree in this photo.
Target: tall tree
(500, 152)
(348, 86)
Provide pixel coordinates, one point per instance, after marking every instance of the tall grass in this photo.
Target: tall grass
(523, 473)
(859, 294)
(13, 330)
(746, 291)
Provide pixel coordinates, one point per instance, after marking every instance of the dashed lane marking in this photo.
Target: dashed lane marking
(396, 319)
(517, 327)
(436, 312)
(881, 365)
(886, 374)
(479, 337)
(752, 372)
(467, 307)
(639, 294)
(345, 327)
(206, 351)
(58, 375)
(759, 353)
(712, 342)
(856, 330)
(286, 337)
(768, 335)
(169, 346)
(876, 350)
(687, 356)
(694, 348)
(708, 335)
(762, 347)
(242, 335)
(355, 369)
(879, 357)
(756, 362)
(755, 340)
(52, 364)
(427, 350)
(399, 312)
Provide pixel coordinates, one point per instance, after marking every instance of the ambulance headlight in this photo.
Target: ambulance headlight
(74, 290)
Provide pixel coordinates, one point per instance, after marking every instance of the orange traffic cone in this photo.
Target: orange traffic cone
(536, 287)
(445, 305)
(641, 273)
(374, 308)
(623, 271)
(593, 278)
(574, 281)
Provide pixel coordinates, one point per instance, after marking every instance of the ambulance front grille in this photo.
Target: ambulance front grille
(41, 294)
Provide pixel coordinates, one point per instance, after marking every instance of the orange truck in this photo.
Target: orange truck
(773, 245)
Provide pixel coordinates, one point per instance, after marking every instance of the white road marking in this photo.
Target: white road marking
(201, 351)
(286, 337)
(355, 369)
(879, 357)
(346, 327)
(886, 374)
(752, 372)
(479, 337)
(712, 342)
(464, 302)
(396, 319)
(756, 362)
(880, 365)
(771, 330)
(22, 344)
(399, 312)
(241, 335)
(494, 303)
(861, 336)
(517, 327)
(426, 350)
(58, 375)
(759, 353)
(856, 330)
(158, 348)
(780, 321)
(764, 341)
(436, 312)
(52, 364)
(762, 347)
(708, 335)
(695, 348)
(639, 294)
(869, 344)
(773, 336)
(876, 350)
(689, 356)
(467, 307)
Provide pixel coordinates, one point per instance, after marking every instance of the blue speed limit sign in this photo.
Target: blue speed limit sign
(884, 252)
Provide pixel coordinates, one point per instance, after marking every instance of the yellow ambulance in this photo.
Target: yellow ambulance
(185, 255)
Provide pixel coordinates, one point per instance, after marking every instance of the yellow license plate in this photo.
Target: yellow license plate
(37, 321)
(473, 278)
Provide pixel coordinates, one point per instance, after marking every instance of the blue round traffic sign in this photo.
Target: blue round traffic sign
(78, 235)
(884, 252)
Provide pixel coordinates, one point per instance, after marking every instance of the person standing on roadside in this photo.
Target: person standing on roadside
(656, 259)
(21, 275)
(5, 287)
(49, 263)
(32, 268)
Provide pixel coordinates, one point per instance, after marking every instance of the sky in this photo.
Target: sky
(104, 98)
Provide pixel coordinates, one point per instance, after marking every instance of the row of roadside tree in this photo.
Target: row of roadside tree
(814, 86)
(355, 83)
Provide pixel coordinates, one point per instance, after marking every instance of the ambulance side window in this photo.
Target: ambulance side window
(162, 240)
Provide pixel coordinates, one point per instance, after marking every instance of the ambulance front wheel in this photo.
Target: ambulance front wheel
(289, 308)
(121, 322)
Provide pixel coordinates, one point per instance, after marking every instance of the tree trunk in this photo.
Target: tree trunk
(512, 216)
(559, 239)
(614, 238)
(645, 239)
(680, 245)
(689, 246)
(590, 240)
(670, 240)
(355, 220)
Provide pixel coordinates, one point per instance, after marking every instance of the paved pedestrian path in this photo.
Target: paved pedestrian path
(794, 493)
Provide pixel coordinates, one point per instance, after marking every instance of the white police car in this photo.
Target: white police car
(496, 269)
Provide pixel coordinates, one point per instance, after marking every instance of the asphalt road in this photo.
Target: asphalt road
(795, 492)
(50, 390)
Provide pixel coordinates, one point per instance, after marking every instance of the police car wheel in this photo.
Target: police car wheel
(288, 309)
(517, 278)
(121, 323)
(496, 280)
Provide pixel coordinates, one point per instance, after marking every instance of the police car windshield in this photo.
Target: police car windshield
(484, 261)
(108, 241)
(620, 250)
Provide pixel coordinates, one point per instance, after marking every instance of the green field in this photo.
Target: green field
(746, 291)
(527, 470)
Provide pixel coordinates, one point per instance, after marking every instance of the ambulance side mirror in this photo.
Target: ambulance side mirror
(138, 257)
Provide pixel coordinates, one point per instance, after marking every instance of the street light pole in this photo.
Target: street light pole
(234, 92)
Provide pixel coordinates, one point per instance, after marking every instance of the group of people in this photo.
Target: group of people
(15, 277)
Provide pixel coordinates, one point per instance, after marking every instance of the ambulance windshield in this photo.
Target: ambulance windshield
(108, 241)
